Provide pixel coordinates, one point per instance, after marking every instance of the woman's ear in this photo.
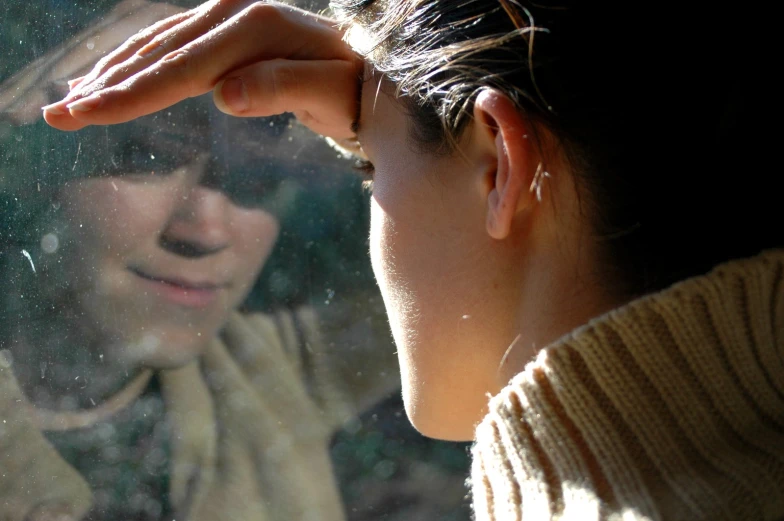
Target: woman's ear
(504, 132)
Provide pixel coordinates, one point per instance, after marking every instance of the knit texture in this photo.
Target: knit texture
(668, 408)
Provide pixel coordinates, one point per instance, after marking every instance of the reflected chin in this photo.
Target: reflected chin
(165, 349)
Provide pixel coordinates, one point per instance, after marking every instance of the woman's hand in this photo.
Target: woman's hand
(259, 58)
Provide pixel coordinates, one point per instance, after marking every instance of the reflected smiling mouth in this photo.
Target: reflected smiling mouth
(179, 290)
(177, 281)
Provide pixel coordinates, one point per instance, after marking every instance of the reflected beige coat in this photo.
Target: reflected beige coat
(252, 419)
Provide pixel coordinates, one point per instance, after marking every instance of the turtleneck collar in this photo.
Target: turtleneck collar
(670, 407)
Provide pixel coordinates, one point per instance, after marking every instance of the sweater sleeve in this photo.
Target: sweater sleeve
(669, 408)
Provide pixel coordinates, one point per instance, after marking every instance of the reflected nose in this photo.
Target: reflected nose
(199, 225)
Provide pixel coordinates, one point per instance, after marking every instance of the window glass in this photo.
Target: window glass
(189, 326)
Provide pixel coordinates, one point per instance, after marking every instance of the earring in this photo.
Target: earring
(538, 181)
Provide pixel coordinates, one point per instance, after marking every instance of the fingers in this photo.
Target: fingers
(260, 32)
(72, 84)
(323, 94)
(108, 68)
(188, 32)
(140, 52)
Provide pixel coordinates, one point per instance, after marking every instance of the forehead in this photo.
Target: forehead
(382, 116)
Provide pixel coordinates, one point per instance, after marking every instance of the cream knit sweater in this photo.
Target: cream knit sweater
(669, 408)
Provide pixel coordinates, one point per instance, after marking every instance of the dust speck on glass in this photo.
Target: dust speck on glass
(189, 326)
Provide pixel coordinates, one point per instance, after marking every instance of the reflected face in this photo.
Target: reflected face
(157, 261)
(439, 277)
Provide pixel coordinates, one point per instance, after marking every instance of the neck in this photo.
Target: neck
(556, 301)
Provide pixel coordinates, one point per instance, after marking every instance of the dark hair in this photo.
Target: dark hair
(656, 108)
(244, 159)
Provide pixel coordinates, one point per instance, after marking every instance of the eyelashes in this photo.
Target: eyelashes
(366, 170)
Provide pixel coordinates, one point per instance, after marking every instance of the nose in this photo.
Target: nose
(199, 225)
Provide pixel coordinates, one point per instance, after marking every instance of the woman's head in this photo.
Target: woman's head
(146, 235)
(152, 232)
(631, 129)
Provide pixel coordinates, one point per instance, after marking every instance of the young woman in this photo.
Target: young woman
(131, 386)
(569, 212)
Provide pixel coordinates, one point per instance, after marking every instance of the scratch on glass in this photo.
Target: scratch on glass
(30, 258)
(78, 151)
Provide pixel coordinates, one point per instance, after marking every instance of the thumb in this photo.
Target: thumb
(323, 94)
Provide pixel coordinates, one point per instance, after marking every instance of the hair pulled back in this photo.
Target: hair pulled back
(657, 109)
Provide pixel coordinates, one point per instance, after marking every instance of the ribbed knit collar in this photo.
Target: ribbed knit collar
(670, 407)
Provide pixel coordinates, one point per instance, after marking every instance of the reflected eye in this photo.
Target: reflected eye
(137, 158)
(366, 170)
(252, 188)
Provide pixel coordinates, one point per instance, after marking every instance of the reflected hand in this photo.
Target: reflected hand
(260, 58)
(43, 80)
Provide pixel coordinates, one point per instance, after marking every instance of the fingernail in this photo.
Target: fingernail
(85, 104)
(152, 49)
(234, 94)
(74, 82)
(53, 109)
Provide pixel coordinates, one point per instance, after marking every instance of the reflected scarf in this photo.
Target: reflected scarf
(247, 441)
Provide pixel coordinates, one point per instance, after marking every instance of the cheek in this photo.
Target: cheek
(377, 254)
(413, 257)
(393, 254)
(384, 260)
(113, 215)
(254, 235)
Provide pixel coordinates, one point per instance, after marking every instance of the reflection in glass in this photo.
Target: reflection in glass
(139, 377)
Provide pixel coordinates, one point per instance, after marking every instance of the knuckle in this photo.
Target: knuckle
(103, 65)
(262, 13)
(118, 70)
(178, 60)
(159, 42)
(283, 80)
(305, 117)
(141, 36)
(231, 5)
(180, 64)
